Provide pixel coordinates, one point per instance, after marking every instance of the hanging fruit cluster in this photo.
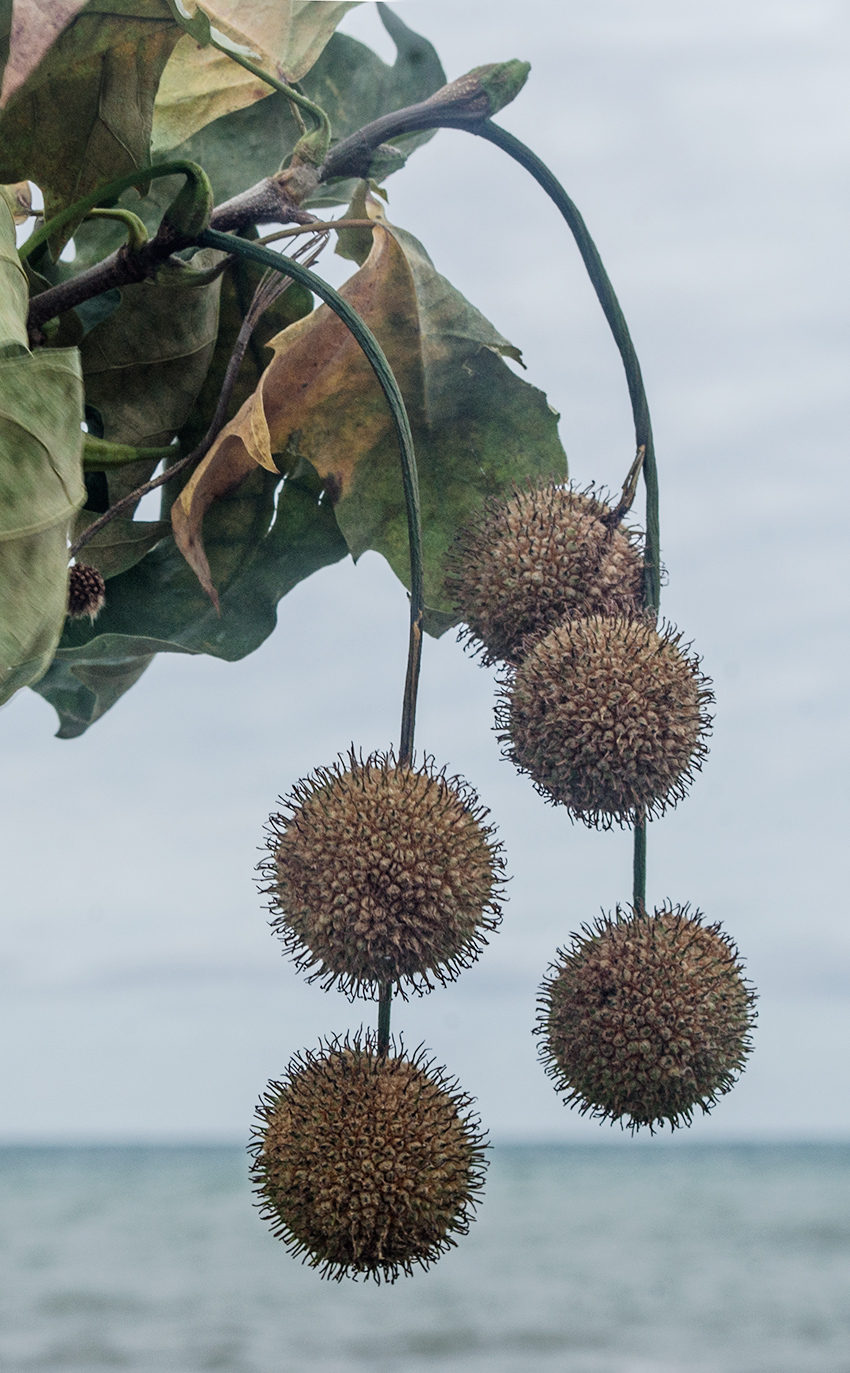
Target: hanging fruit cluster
(382, 875)
(646, 1016)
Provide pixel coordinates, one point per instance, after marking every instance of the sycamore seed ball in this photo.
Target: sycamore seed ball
(382, 873)
(529, 560)
(366, 1163)
(86, 591)
(608, 716)
(646, 1018)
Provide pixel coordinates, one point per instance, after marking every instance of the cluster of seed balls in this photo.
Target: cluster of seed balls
(379, 874)
(646, 1016)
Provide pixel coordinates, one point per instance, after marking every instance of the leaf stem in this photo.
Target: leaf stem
(640, 406)
(100, 456)
(110, 190)
(322, 123)
(137, 233)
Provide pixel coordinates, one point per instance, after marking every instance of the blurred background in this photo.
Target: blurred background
(143, 997)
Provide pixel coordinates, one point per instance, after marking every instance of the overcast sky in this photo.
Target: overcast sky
(707, 147)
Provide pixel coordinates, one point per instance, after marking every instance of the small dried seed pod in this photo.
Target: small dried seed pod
(608, 717)
(86, 591)
(366, 1163)
(645, 1018)
(529, 560)
(382, 873)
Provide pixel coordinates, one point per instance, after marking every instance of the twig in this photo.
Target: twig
(317, 226)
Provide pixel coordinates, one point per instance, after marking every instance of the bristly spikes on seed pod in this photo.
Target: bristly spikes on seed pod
(366, 1164)
(608, 716)
(86, 591)
(382, 873)
(646, 1017)
(528, 560)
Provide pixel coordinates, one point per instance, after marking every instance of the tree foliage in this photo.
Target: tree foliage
(148, 335)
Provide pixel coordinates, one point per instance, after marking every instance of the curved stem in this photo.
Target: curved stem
(616, 320)
(137, 233)
(410, 481)
(109, 191)
(640, 407)
(318, 115)
(410, 478)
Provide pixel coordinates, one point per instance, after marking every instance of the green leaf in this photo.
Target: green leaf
(84, 689)
(14, 290)
(144, 365)
(477, 427)
(41, 488)
(5, 35)
(258, 554)
(120, 544)
(201, 84)
(82, 115)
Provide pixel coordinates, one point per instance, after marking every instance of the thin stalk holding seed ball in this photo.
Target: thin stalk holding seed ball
(410, 481)
(640, 406)
(616, 320)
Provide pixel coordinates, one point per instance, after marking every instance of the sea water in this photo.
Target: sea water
(633, 1258)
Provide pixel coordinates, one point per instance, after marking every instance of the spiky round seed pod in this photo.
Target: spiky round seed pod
(608, 716)
(646, 1017)
(366, 1163)
(543, 553)
(86, 591)
(382, 873)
